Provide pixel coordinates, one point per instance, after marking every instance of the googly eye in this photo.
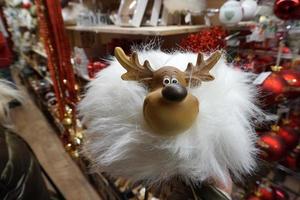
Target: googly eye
(174, 80)
(166, 81)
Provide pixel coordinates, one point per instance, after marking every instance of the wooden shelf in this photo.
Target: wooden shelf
(150, 31)
(48, 148)
(247, 25)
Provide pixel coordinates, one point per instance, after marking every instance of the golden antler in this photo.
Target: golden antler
(200, 71)
(135, 71)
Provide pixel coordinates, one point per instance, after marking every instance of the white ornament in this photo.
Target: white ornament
(249, 9)
(231, 13)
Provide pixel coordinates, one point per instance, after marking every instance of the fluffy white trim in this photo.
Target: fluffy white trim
(220, 141)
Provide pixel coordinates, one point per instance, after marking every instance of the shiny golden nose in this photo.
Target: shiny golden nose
(174, 92)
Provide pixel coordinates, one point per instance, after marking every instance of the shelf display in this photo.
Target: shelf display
(61, 70)
(256, 54)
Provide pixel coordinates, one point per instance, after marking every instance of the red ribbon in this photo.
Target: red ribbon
(59, 54)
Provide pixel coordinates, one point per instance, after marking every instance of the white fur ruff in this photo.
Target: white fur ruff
(221, 140)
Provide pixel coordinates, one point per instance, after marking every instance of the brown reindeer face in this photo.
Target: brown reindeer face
(169, 108)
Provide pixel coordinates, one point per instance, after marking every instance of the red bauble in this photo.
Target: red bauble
(265, 192)
(287, 9)
(273, 88)
(272, 146)
(292, 77)
(290, 136)
(280, 194)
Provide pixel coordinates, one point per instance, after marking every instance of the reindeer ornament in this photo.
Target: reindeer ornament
(168, 108)
(170, 118)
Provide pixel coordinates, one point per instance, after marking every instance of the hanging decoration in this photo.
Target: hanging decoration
(59, 63)
(287, 9)
(231, 13)
(249, 9)
(273, 88)
(272, 147)
(289, 135)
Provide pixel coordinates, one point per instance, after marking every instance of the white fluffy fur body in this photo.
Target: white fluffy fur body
(222, 139)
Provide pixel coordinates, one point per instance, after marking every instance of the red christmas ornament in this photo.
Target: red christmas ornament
(265, 192)
(287, 9)
(280, 194)
(292, 77)
(290, 137)
(273, 88)
(54, 37)
(272, 147)
(285, 50)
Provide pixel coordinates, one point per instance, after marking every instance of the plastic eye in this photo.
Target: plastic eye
(174, 80)
(166, 81)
